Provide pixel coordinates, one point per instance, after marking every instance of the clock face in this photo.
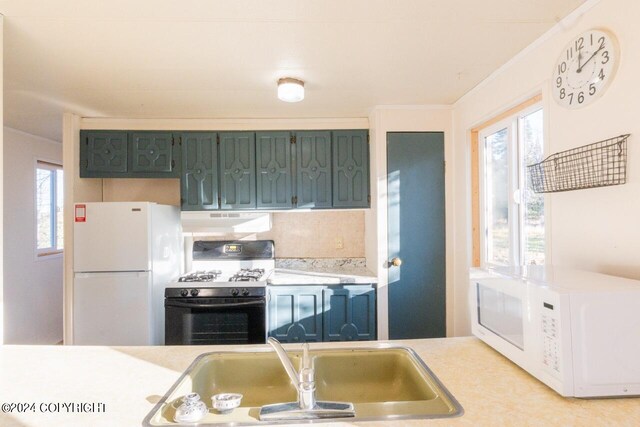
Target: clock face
(585, 68)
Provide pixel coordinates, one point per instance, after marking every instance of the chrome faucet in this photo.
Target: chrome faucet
(304, 381)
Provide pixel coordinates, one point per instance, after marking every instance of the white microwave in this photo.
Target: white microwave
(576, 331)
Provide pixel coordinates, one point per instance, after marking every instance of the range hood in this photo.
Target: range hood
(204, 223)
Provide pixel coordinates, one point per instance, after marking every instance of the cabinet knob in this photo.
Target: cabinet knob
(236, 171)
(395, 262)
(350, 168)
(313, 169)
(273, 170)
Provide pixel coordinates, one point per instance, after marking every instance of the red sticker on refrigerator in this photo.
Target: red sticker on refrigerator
(81, 213)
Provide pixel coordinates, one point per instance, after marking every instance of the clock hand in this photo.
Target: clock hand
(587, 61)
(579, 63)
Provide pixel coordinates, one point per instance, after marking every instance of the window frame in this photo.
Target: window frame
(517, 182)
(52, 251)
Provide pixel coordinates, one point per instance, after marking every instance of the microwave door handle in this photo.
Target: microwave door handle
(219, 305)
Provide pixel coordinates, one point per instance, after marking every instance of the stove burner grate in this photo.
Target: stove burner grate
(247, 275)
(201, 276)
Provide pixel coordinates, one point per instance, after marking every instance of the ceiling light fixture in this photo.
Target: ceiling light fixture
(290, 89)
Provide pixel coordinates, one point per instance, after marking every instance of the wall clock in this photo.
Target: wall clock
(585, 68)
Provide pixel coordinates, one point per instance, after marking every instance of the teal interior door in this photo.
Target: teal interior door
(416, 234)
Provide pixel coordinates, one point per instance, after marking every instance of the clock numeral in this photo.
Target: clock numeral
(580, 97)
(559, 81)
(601, 74)
(562, 67)
(562, 93)
(591, 35)
(605, 56)
(601, 41)
(592, 89)
(579, 43)
(570, 98)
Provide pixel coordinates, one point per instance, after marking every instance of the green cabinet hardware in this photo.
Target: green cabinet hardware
(124, 154)
(313, 174)
(237, 170)
(349, 313)
(199, 180)
(322, 313)
(350, 169)
(274, 170)
(295, 313)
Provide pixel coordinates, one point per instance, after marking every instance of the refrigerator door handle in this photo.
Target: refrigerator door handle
(88, 274)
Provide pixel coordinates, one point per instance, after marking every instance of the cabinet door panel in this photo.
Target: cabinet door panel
(273, 170)
(152, 152)
(295, 313)
(313, 161)
(237, 170)
(349, 313)
(102, 153)
(350, 169)
(199, 180)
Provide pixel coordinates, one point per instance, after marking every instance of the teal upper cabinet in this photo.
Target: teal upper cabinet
(152, 152)
(268, 170)
(122, 154)
(199, 180)
(273, 170)
(103, 153)
(237, 170)
(313, 172)
(349, 313)
(350, 169)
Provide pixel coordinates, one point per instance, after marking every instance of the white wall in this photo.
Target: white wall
(32, 287)
(1, 178)
(404, 119)
(597, 229)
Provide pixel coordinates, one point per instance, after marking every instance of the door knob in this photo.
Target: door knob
(395, 262)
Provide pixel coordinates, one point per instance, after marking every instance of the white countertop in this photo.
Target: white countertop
(316, 276)
(130, 380)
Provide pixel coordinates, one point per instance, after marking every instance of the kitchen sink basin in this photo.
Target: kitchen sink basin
(382, 382)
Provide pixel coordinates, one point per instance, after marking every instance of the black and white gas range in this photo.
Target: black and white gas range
(223, 300)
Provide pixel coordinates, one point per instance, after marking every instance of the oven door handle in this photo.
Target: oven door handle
(219, 305)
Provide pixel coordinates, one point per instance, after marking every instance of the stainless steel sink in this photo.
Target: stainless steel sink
(383, 383)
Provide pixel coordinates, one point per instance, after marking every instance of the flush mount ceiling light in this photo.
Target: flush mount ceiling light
(290, 90)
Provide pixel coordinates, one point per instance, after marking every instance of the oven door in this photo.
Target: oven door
(207, 321)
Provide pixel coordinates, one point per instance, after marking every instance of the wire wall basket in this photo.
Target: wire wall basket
(600, 164)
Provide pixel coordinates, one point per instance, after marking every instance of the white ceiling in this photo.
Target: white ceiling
(205, 58)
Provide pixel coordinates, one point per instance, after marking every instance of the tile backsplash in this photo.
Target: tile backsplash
(312, 234)
(296, 234)
(321, 264)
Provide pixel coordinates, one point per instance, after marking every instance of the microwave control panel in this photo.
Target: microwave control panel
(550, 337)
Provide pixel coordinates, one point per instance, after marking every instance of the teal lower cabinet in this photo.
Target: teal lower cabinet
(322, 313)
(349, 313)
(295, 313)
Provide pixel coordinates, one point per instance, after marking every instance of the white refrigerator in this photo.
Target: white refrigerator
(124, 255)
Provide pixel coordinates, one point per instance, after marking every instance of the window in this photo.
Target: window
(49, 203)
(512, 214)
